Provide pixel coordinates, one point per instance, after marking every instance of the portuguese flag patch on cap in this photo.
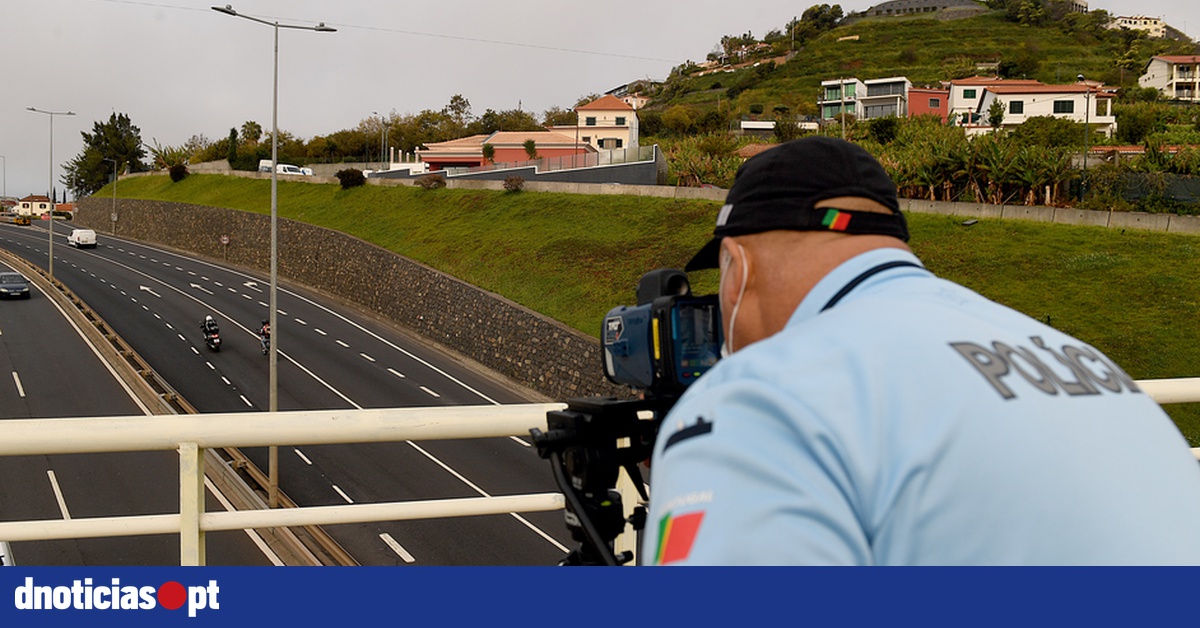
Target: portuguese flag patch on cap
(836, 220)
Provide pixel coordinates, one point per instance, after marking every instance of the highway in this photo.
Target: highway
(38, 382)
(331, 355)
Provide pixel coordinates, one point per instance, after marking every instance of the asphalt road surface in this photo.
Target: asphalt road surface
(331, 355)
(50, 370)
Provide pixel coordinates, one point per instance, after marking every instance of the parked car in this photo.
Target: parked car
(82, 239)
(13, 285)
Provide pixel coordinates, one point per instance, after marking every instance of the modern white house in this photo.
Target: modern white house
(1081, 102)
(885, 97)
(1176, 77)
(840, 96)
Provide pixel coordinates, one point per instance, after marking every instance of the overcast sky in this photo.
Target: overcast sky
(178, 68)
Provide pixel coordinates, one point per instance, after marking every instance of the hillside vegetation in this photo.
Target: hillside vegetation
(926, 51)
(574, 257)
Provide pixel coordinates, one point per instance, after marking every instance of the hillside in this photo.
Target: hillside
(574, 257)
(926, 51)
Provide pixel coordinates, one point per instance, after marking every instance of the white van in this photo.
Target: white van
(82, 239)
(290, 169)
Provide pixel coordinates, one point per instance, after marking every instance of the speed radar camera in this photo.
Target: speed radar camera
(667, 341)
(659, 346)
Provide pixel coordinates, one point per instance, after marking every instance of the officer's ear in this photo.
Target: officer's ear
(733, 270)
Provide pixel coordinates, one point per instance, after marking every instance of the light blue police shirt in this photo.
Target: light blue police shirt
(916, 422)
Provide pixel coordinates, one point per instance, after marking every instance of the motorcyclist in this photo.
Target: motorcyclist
(209, 326)
(264, 334)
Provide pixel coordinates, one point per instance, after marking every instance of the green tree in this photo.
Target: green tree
(1049, 131)
(883, 130)
(531, 148)
(233, 146)
(996, 114)
(679, 120)
(117, 139)
(557, 116)
(489, 153)
(251, 132)
(1136, 121)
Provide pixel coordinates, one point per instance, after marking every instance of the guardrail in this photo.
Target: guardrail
(192, 434)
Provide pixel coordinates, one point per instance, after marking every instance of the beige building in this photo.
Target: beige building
(33, 205)
(1153, 26)
(607, 123)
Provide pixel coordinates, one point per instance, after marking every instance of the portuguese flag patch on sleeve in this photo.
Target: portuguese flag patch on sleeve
(675, 537)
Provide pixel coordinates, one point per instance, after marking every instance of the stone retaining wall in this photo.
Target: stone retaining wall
(514, 341)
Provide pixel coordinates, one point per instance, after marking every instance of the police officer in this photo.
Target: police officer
(870, 413)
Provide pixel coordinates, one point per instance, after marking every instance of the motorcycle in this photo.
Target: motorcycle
(213, 340)
(265, 341)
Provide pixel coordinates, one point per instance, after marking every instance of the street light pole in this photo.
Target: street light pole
(4, 160)
(273, 361)
(50, 191)
(1087, 130)
(113, 218)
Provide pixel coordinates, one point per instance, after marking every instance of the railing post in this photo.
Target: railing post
(191, 505)
(627, 540)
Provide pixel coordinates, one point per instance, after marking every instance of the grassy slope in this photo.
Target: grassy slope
(574, 257)
(922, 49)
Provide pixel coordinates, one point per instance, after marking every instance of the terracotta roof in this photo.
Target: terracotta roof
(1180, 58)
(993, 80)
(36, 198)
(462, 142)
(1046, 89)
(606, 103)
(539, 137)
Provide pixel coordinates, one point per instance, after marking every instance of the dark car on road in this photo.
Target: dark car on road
(13, 285)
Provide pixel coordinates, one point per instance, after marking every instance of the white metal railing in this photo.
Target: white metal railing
(191, 434)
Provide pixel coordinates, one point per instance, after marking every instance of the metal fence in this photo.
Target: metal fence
(568, 162)
(191, 435)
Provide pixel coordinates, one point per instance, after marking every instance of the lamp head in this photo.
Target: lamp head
(227, 10)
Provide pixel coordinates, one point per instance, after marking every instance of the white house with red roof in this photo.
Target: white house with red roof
(967, 93)
(1084, 103)
(33, 205)
(1175, 76)
(607, 123)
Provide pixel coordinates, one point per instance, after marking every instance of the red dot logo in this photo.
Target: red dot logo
(171, 595)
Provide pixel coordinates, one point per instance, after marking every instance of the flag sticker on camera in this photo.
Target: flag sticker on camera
(675, 537)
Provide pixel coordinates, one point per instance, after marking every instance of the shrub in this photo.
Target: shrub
(350, 178)
(178, 172)
(514, 184)
(431, 181)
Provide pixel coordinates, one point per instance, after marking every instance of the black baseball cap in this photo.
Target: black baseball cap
(778, 190)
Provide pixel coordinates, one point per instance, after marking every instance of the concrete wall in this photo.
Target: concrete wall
(1168, 223)
(528, 348)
